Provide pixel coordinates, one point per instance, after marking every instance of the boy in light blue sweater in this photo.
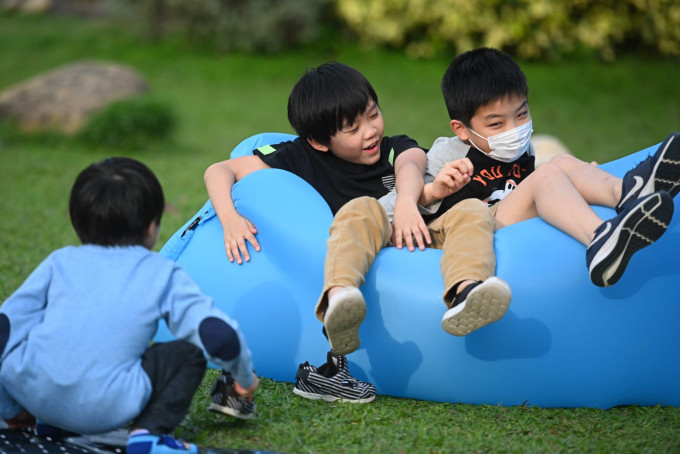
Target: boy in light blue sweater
(75, 336)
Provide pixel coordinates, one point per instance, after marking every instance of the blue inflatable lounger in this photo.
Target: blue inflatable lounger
(563, 343)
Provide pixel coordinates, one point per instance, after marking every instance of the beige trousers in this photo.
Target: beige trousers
(360, 229)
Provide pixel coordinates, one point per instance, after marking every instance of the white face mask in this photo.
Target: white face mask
(509, 145)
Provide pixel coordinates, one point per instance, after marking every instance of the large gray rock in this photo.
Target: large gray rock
(26, 6)
(64, 99)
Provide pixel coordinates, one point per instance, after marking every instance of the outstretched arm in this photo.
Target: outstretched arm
(408, 223)
(219, 180)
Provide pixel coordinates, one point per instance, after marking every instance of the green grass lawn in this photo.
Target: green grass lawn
(601, 112)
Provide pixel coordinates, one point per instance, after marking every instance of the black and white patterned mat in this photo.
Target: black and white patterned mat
(22, 442)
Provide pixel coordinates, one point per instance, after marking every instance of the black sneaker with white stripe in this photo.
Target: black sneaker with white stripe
(476, 306)
(641, 223)
(659, 172)
(332, 381)
(225, 400)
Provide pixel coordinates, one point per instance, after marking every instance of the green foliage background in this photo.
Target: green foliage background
(530, 29)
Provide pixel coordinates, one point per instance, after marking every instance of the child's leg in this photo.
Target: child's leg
(175, 370)
(551, 194)
(465, 234)
(595, 186)
(475, 297)
(660, 171)
(359, 231)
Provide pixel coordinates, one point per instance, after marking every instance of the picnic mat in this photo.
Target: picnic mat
(24, 442)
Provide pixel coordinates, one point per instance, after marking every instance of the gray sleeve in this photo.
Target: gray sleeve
(390, 199)
(443, 150)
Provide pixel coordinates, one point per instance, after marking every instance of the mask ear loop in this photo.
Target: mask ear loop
(473, 144)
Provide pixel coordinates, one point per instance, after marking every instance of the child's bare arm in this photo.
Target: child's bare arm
(219, 180)
(451, 178)
(408, 223)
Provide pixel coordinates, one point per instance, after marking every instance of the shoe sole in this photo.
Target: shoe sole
(342, 322)
(641, 227)
(230, 411)
(667, 169)
(666, 172)
(327, 398)
(485, 304)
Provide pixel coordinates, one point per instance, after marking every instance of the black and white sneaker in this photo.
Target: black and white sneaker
(225, 400)
(332, 381)
(659, 172)
(346, 310)
(478, 305)
(640, 224)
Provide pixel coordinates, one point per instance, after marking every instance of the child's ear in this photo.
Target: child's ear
(151, 234)
(460, 130)
(317, 145)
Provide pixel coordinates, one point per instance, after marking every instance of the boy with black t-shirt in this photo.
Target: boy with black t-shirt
(342, 153)
(486, 96)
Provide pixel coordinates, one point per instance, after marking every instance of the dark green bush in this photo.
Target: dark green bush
(129, 124)
(12, 134)
(239, 25)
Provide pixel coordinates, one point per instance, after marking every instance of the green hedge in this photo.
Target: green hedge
(528, 28)
(268, 26)
(134, 123)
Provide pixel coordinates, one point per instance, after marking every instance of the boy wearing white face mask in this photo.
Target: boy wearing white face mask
(492, 159)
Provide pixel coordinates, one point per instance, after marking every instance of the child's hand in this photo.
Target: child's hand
(407, 225)
(453, 176)
(23, 420)
(247, 393)
(238, 230)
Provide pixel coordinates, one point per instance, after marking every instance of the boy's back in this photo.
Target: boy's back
(102, 308)
(94, 310)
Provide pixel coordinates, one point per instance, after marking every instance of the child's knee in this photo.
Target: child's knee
(550, 171)
(469, 211)
(562, 161)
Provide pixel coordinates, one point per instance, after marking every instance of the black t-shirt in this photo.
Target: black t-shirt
(491, 181)
(337, 180)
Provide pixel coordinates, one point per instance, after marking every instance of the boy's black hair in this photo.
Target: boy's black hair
(479, 77)
(114, 201)
(326, 97)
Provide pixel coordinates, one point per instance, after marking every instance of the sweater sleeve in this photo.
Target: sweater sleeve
(25, 308)
(19, 314)
(192, 316)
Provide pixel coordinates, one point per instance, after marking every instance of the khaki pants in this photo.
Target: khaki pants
(360, 229)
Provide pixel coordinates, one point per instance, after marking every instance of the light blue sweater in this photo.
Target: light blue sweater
(73, 334)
